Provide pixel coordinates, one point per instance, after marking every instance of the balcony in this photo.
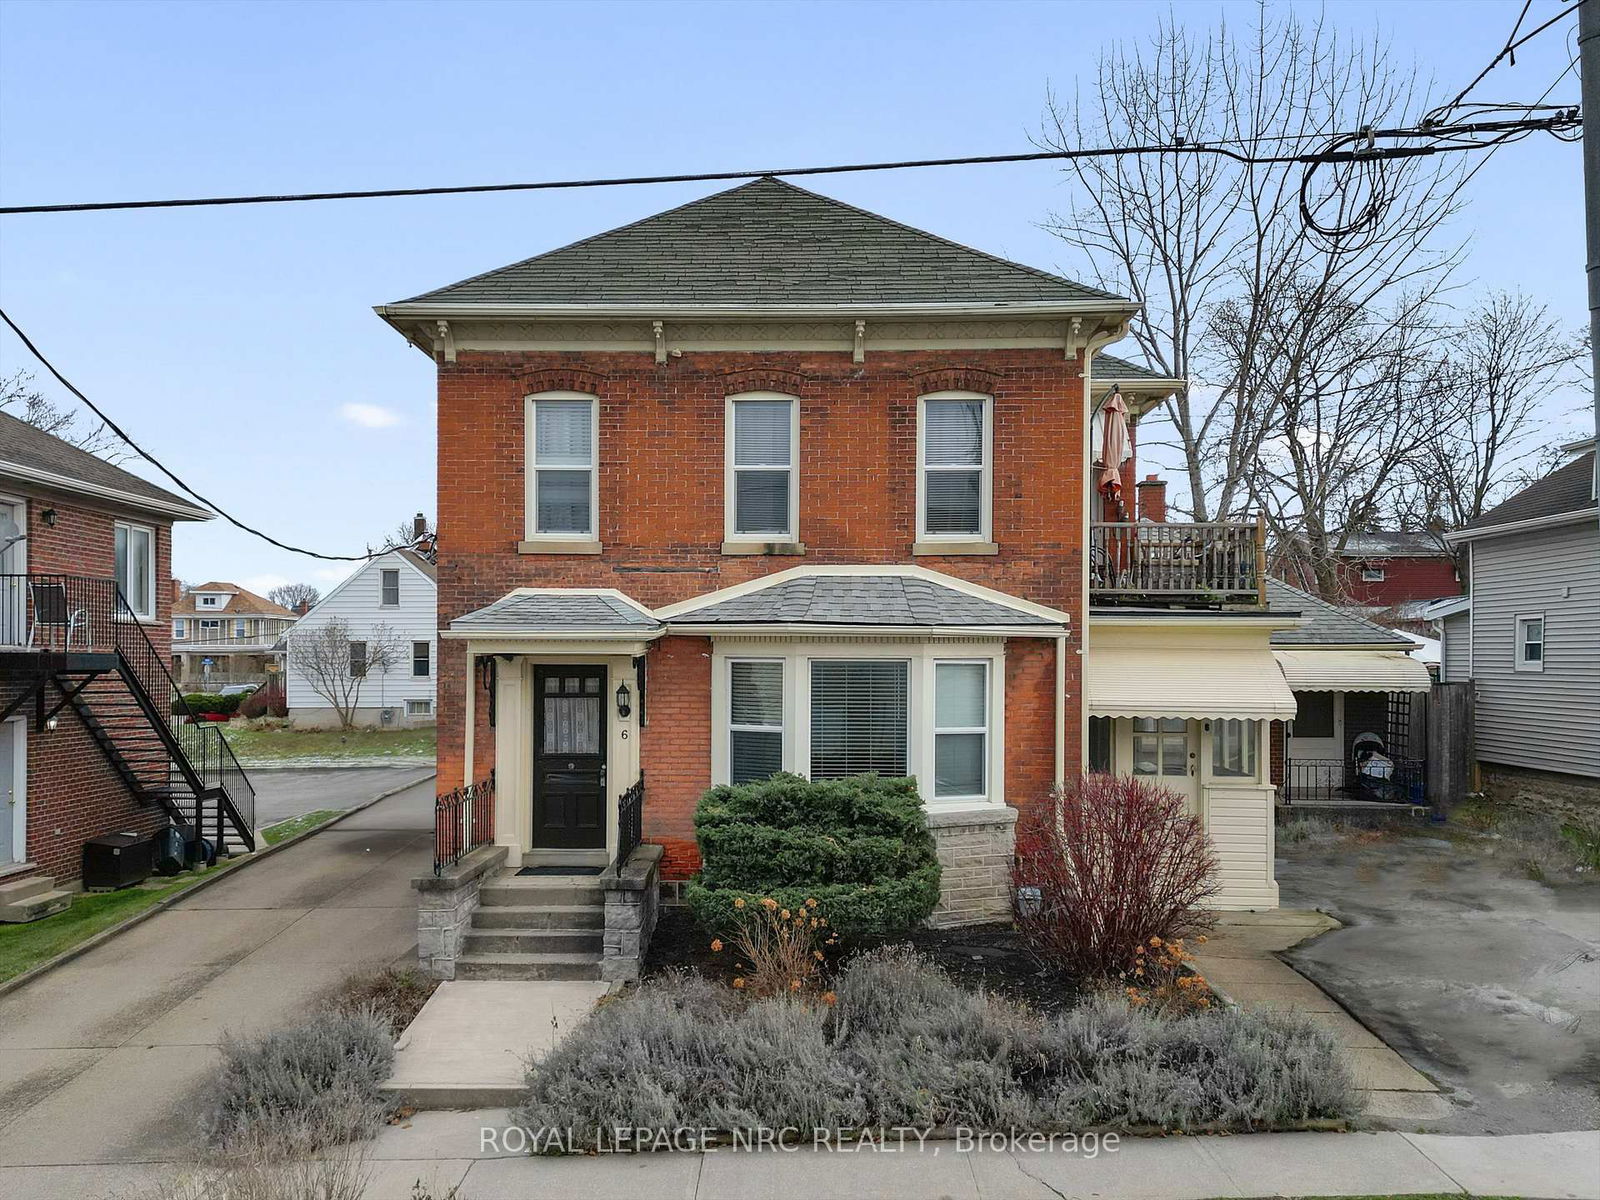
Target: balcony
(1199, 565)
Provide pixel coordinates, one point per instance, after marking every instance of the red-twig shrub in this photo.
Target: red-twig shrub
(266, 701)
(1112, 862)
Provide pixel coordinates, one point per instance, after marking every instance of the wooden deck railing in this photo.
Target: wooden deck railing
(1217, 561)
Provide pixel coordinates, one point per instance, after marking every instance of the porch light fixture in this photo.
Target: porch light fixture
(49, 517)
(624, 700)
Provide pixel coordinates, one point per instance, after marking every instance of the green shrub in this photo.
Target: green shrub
(905, 1045)
(860, 847)
(210, 702)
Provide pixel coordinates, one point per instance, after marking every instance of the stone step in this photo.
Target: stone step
(528, 966)
(541, 890)
(35, 907)
(21, 889)
(540, 916)
(533, 941)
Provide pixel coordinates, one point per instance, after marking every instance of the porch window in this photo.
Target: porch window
(136, 571)
(358, 660)
(858, 717)
(390, 585)
(953, 468)
(1530, 643)
(755, 719)
(762, 436)
(960, 729)
(421, 656)
(1313, 716)
(1100, 731)
(561, 444)
(1160, 746)
(1233, 748)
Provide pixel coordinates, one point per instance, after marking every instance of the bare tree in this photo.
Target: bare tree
(416, 534)
(27, 403)
(335, 663)
(1215, 247)
(291, 594)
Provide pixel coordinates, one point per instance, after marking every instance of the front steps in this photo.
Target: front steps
(535, 927)
(31, 899)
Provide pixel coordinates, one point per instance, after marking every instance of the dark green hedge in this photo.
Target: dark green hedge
(210, 702)
(860, 847)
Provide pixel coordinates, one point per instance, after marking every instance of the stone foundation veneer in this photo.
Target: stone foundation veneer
(445, 903)
(975, 858)
(633, 900)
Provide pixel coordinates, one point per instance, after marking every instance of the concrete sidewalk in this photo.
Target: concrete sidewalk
(101, 1060)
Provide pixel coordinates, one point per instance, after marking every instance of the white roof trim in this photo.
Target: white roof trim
(552, 636)
(1576, 517)
(359, 571)
(1353, 671)
(1055, 615)
(1447, 608)
(1166, 619)
(66, 483)
(729, 630)
(613, 593)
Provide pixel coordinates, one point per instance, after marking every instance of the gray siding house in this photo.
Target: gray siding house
(1528, 635)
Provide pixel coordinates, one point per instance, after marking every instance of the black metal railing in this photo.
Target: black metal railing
(1312, 781)
(58, 614)
(463, 820)
(1220, 561)
(630, 821)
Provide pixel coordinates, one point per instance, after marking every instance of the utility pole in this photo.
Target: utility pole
(1589, 66)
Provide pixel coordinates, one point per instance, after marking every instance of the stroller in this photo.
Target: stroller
(1373, 771)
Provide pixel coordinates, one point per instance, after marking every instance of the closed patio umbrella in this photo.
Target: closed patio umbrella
(1116, 446)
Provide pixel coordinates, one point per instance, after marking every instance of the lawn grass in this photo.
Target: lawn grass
(23, 947)
(286, 745)
(273, 834)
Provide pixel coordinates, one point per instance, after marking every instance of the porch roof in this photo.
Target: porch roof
(897, 597)
(1197, 683)
(1353, 671)
(561, 612)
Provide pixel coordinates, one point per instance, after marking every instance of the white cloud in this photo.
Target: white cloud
(370, 416)
(262, 584)
(333, 573)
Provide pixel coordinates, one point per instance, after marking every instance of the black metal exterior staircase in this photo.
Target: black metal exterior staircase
(72, 642)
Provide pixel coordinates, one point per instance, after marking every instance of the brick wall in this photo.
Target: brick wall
(661, 463)
(73, 792)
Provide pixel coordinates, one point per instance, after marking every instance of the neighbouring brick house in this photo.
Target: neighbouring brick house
(769, 482)
(85, 620)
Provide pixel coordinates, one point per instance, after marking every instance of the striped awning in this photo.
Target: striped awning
(1353, 671)
(1198, 682)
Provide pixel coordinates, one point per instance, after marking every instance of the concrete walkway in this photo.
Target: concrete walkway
(1239, 960)
(101, 1060)
(446, 1149)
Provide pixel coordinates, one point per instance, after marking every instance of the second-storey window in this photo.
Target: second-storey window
(755, 719)
(420, 656)
(239, 629)
(763, 499)
(561, 466)
(1530, 643)
(953, 468)
(136, 568)
(390, 586)
(178, 627)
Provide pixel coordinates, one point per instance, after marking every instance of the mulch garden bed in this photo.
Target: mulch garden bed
(990, 957)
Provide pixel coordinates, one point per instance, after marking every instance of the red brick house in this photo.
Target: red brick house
(87, 742)
(1386, 569)
(769, 482)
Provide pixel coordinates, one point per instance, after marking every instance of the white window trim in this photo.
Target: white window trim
(149, 613)
(530, 472)
(180, 628)
(726, 709)
(1374, 575)
(730, 524)
(937, 729)
(798, 655)
(1208, 758)
(1518, 623)
(426, 709)
(985, 531)
(395, 571)
(415, 642)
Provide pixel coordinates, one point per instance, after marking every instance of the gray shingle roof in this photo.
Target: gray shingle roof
(1329, 625)
(1566, 489)
(763, 243)
(26, 446)
(1394, 543)
(868, 600)
(556, 612)
(1108, 366)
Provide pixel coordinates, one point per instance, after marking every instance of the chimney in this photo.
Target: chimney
(1152, 492)
(419, 527)
(302, 607)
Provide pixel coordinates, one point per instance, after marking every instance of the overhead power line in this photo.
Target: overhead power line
(1223, 148)
(1508, 51)
(165, 470)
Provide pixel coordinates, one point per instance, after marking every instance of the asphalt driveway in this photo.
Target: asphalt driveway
(1486, 981)
(284, 792)
(103, 1060)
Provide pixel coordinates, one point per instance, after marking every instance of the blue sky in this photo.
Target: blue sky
(239, 343)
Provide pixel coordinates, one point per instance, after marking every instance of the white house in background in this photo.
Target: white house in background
(397, 590)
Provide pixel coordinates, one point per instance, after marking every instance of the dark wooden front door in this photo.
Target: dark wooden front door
(569, 758)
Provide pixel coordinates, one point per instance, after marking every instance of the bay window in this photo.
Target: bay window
(960, 729)
(755, 719)
(859, 717)
(561, 466)
(136, 568)
(762, 496)
(953, 467)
